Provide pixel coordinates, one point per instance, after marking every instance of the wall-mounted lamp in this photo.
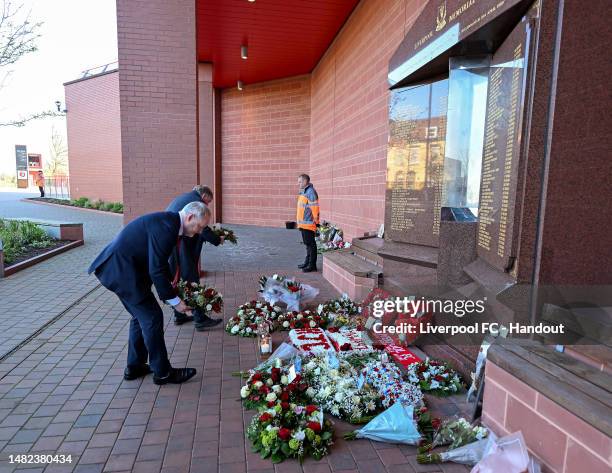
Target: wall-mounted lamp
(244, 52)
(58, 104)
(240, 85)
(251, 1)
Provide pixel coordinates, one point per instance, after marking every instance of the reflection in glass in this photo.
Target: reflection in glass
(415, 158)
(467, 101)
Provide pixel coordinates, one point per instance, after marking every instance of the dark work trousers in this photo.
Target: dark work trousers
(42, 191)
(188, 257)
(308, 237)
(147, 336)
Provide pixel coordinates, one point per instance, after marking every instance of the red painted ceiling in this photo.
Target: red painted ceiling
(284, 37)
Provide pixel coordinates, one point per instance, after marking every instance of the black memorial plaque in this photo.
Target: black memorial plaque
(501, 153)
(415, 159)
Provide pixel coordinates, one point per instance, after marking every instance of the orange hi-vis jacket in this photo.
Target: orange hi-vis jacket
(308, 209)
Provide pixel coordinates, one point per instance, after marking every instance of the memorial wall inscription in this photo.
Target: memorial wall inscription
(501, 153)
(415, 158)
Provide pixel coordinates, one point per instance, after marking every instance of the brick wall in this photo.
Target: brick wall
(94, 138)
(562, 441)
(265, 145)
(349, 118)
(158, 87)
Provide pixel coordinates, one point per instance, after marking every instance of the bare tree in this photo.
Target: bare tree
(18, 36)
(58, 152)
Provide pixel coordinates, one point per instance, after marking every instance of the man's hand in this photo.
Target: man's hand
(222, 238)
(182, 308)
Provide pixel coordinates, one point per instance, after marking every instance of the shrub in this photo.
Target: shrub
(20, 235)
(108, 206)
(81, 201)
(118, 207)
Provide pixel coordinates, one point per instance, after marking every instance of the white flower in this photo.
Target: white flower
(258, 305)
(310, 392)
(320, 309)
(313, 324)
(275, 276)
(299, 435)
(249, 330)
(257, 384)
(241, 312)
(209, 307)
(277, 308)
(284, 379)
(244, 392)
(339, 397)
(285, 324)
(269, 382)
(299, 317)
(276, 388)
(235, 329)
(271, 397)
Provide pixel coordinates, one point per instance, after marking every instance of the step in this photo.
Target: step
(368, 248)
(354, 264)
(408, 253)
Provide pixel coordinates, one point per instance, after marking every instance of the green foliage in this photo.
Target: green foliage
(20, 235)
(84, 202)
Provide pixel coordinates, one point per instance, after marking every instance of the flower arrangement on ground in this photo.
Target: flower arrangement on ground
(310, 340)
(288, 430)
(228, 234)
(347, 339)
(264, 389)
(435, 377)
(342, 312)
(275, 278)
(334, 385)
(387, 379)
(330, 237)
(454, 433)
(203, 298)
(249, 315)
(302, 319)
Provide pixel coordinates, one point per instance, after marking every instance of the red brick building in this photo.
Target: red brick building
(312, 94)
(94, 135)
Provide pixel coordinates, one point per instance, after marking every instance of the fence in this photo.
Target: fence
(57, 187)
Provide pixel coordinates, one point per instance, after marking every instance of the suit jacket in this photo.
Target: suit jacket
(138, 257)
(207, 234)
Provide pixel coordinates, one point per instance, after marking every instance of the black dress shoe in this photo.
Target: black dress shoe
(309, 270)
(182, 320)
(176, 376)
(302, 266)
(207, 323)
(134, 372)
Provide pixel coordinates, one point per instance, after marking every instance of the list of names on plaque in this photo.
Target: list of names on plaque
(415, 155)
(501, 151)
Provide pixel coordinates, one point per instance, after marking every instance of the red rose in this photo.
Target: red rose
(378, 346)
(284, 433)
(253, 302)
(284, 396)
(209, 293)
(346, 347)
(438, 378)
(271, 403)
(216, 308)
(435, 423)
(314, 426)
(310, 409)
(265, 417)
(294, 288)
(302, 386)
(292, 324)
(285, 406)
(360, 328)
(332, 329)
(275, 375)
(236, 319)
(422, 368)
(256, 377)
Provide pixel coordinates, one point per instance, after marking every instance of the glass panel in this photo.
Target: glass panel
(467, 102)
(415, 159)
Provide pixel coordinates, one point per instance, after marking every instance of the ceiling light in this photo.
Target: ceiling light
(240, 85)
(244, 52)
(251, 1)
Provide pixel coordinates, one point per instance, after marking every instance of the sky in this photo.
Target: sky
(76, 35)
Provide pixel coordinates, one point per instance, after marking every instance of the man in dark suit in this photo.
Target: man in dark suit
(187, 253)
(136, 259)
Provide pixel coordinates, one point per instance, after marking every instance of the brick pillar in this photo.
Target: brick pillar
(158, 96)
(206, 128)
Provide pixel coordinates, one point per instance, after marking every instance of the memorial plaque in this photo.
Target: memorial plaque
(21, 165)
(415, 159)
(501, 153)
